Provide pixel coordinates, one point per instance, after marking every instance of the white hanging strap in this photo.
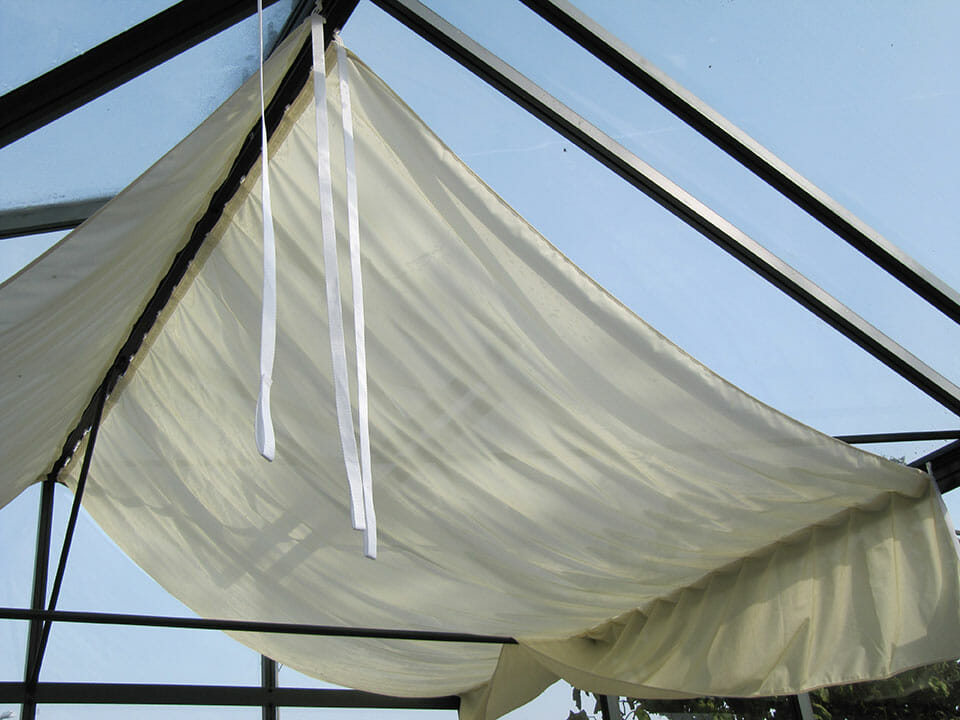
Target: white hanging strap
(353, 224)
(263, 431)
(338, 353)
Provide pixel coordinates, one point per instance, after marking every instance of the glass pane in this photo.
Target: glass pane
(656, 136)
(18, 533)
(100, 578)
(101, 147)
(288, 677)
(18, 538)
(38, 36)
(18, 252)
(702, 299)
(554, 702)
(13, 640)
(858, 101)
(146, 712)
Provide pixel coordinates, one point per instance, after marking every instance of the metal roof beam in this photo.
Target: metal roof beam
(49, 217)
(115, 61)
(943, 465)
(896, 437)
(669, 195)
(224, 695)
(251, 626)
(619, 56)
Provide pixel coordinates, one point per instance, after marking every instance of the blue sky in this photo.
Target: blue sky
(859, 97)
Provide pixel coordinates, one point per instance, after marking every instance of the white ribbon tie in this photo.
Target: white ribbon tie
(358, 466)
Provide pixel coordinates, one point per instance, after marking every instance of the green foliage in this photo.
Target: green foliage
(931, 692)
(714, 708)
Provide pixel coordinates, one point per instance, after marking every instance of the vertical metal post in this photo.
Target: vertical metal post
(604, 702)
(803, 707)
(268, 681)
(36, 659)
(41, 570)
(610, 707)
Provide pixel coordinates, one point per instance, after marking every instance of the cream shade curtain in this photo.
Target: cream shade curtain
(546, 465)
(64, 318)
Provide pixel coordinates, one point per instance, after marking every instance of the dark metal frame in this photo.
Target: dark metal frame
(47, 218)
(269, 676)
(748, 152)
(114, 62)
(490, 68)
(250, 626)
(41, 565)
(943, 465)
(160, 694)
(191, 21)
(894, 437)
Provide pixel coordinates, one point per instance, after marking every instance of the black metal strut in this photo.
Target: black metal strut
(222, 695)
(686, 106)
(670, 196)
(33, 673)
(251, 626)
(115, 61)
(41, 569)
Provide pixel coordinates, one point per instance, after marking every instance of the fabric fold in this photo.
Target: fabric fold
(805, 594)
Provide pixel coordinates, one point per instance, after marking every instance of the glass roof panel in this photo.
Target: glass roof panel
(590, 214)
(18, 532)
(101, 147)
(625, 113)
(101, 578)
(38, 36)
(18, 252)
(859, 98)
(700, 297)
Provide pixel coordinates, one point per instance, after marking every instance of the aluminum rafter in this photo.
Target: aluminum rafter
(39, 636)
(49, 217)
(255, 626)
(268, 683)
(620, 57)
(41, 569)
(115, 61)
(943, 465)
(894, 437)
(300, 11)
(224, 695)
(668, 194)
(34, 664)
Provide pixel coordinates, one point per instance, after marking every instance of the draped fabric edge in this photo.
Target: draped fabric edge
(160, 179)
(588, 660)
